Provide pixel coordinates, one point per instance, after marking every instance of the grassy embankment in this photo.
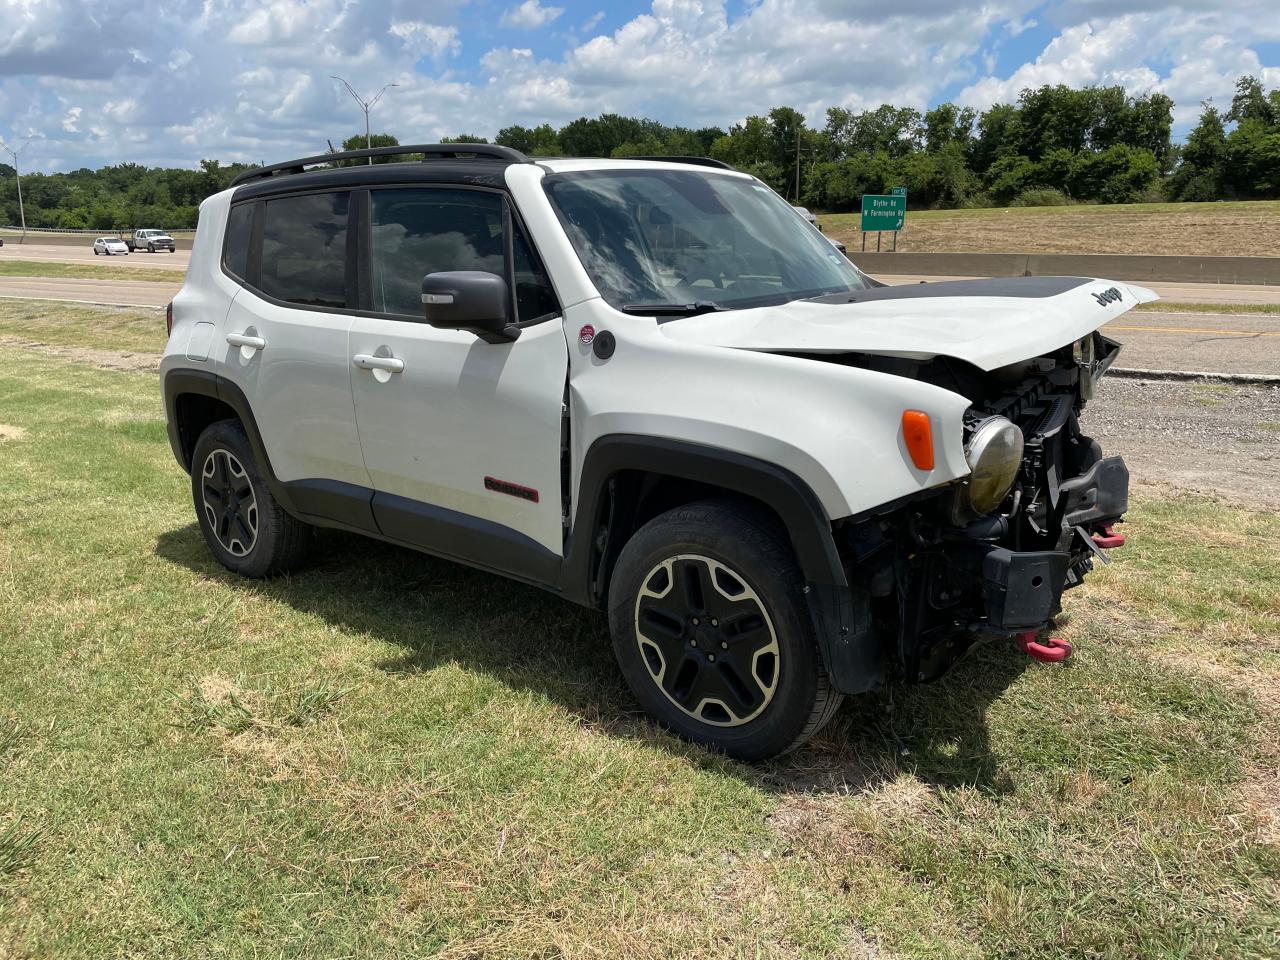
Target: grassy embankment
(1242, 228)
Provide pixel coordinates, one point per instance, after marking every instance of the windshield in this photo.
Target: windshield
(676, 237)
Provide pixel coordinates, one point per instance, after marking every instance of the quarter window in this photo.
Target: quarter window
(235, 255)
(304, 250)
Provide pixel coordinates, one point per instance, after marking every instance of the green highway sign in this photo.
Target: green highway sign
(883, 212)
(898, 191)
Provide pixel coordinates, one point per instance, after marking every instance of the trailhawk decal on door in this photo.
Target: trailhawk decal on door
(511, 489)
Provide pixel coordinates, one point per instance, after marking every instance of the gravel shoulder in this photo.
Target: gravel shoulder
(1212, 439)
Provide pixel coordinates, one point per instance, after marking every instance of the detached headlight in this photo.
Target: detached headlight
(994, 454)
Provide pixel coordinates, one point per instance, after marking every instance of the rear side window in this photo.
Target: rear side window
(304, 250)
(235, 252)
(416, 232)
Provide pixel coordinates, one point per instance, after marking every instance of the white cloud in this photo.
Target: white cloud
(530, 15)
(248, 79)
(427, 39)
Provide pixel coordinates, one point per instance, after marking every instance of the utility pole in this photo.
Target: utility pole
(366, 105)
(22, 213)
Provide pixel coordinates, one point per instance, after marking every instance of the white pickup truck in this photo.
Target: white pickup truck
(150, 241)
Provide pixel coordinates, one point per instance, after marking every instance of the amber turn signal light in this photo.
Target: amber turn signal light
(918, 433)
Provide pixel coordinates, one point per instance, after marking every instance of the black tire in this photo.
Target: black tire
(151, 248)
(173, 249)
(224, 472)
(653, 621)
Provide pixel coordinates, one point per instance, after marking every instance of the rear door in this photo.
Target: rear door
(286, 342)
(462, 439)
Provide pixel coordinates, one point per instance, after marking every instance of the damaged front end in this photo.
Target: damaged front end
(992, 554)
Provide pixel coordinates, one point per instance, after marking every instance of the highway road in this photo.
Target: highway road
(63, 253)
(1199, 342)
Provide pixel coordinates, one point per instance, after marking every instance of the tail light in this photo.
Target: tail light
(168, 318)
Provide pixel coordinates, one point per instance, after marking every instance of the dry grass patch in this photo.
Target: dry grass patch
(10, 432)
(1193, 229)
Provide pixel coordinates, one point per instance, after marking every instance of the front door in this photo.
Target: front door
(461, 438)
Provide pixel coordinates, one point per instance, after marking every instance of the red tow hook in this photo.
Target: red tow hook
(1108, 539)
(1053, 650)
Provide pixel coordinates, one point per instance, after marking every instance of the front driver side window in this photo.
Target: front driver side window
(419, 231)
(416, 232)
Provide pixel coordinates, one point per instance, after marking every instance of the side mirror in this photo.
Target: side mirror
(471, 300)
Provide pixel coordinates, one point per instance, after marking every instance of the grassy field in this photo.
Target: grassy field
(86, 271)
(387, 755)
(1243, 228)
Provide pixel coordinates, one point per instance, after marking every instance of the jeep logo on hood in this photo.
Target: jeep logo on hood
(1110, 295)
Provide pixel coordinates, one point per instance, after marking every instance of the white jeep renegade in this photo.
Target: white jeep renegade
(654, 389)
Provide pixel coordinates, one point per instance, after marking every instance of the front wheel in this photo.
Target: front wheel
(151, 248)
(711, 630)
(246, 529)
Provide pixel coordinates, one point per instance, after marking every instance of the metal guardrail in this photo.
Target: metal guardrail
(68, 232)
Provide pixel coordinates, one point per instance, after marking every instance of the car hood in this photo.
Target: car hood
(989, 323)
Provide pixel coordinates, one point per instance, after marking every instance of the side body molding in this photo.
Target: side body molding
(329, 503)
(323, 502)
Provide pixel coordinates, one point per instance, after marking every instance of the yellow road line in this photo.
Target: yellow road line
(1226, 333)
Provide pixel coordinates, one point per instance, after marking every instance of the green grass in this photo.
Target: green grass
(1173, 306)
(87, 271)
(92, 328)
(388, 755)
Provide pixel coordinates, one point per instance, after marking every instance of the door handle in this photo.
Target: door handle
(367, 362)
(240, 340)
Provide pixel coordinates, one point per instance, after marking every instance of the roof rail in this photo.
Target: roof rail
(696, 161)
(429, 151)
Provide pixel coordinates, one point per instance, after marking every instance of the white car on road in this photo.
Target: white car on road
(109, 247)
(650, 388)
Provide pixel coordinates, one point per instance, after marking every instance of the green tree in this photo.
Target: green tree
(1199, 175)
(357, 142)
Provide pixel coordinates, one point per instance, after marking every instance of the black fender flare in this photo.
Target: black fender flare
(182, 381)
(841, 619)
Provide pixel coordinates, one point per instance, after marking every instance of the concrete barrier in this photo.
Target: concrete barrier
(1254, 270)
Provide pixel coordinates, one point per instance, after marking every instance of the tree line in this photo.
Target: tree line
(1055, 145)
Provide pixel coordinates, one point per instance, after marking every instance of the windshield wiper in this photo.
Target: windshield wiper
(673, 309)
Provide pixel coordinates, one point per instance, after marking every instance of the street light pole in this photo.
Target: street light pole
(17, 175)
(366, 106)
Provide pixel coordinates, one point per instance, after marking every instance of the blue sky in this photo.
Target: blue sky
(172, 82)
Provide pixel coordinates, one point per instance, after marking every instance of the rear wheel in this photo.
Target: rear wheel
(246, 529)
(710, 628)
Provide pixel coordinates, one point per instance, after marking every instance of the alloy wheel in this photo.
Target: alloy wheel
(229, 502)
(707, 640)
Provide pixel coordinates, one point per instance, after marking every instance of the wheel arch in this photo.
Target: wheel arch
(627, 479)
(193, 400)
